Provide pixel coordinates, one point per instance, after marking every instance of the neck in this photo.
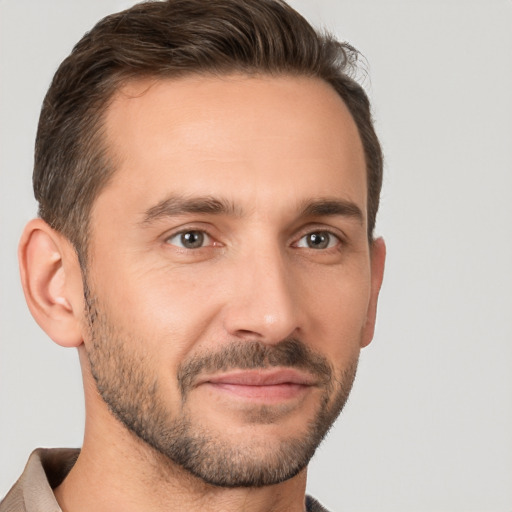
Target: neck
(118, 472)
(111, 482)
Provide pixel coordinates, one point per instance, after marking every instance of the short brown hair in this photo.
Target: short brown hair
(170, 39)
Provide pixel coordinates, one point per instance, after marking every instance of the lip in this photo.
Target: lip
(268, 386)
(262, 377)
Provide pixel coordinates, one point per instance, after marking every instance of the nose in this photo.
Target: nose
(262, 304)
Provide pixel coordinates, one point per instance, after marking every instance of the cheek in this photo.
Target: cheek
(338, 313)
(167, 309)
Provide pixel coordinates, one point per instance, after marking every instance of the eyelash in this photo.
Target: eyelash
(202, 232)
(334, 239)
(338, 241)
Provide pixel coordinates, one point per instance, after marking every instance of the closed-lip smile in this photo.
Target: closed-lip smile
(266, 385)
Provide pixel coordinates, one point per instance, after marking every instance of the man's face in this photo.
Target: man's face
(230, 276)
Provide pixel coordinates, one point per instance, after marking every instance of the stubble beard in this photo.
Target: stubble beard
(131, 391)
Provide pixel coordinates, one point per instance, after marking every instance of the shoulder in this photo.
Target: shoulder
(45, 469)
(313, 506)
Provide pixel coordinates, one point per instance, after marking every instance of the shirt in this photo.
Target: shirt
(46, 469)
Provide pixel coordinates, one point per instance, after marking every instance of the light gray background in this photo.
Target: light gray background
(429, 423)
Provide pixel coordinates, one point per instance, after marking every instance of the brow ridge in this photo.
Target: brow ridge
(178, 205)
(332, 207)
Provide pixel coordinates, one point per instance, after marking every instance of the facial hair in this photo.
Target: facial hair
(128, 385)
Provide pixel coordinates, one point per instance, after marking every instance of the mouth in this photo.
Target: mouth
(262, 385)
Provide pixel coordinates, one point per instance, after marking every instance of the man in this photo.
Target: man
(208, 179)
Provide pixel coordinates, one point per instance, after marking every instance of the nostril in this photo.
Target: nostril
(246, 333)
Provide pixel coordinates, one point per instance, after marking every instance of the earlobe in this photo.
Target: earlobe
(51, 280)
(378, 259)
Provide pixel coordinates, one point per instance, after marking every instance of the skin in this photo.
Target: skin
(267, 146)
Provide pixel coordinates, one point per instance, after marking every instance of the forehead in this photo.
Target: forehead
(236, 136)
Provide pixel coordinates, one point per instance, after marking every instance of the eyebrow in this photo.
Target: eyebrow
(177, 205)
(332, 207)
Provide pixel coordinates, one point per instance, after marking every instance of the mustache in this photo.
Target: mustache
(250, 355)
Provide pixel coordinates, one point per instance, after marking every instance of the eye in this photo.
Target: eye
(318, 240)
(192, 239)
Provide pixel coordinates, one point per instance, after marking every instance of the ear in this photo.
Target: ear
(52, 282)
(377, 261)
